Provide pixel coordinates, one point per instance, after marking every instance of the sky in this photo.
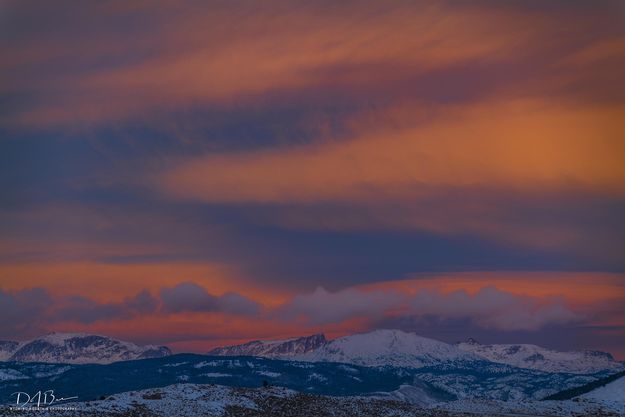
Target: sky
(202, 173)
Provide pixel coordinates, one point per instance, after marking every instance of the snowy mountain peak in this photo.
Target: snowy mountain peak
(78, 348)
(381, 347)
(387, 348)
(59, 339)
(536, 357)
(273, 348)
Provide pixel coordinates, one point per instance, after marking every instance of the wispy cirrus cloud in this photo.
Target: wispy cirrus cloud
(491, 170)
(520, 145)
(163, 55)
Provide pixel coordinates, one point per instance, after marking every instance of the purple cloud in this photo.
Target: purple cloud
(191, 297)
(322, 307)
(488, 308)
(22, 310)
(86, 310)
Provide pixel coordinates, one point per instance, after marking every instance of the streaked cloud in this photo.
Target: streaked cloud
(478, 169)
(520, 145)
(186, 54)
(167, 164)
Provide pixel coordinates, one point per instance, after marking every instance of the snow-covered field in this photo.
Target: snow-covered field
(612, 395)
(190, 400)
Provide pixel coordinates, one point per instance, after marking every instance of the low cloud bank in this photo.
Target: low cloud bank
(488, 308)
(30, 310)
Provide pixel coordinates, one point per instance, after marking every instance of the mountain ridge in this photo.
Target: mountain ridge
(77, 348)
(273, 348)
(387, 347)
(531, 356)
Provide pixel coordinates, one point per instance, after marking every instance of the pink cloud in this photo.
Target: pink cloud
(488, 308)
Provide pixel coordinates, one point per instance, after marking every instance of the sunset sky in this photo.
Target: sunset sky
(200, 173)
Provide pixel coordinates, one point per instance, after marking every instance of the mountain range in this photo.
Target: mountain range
(388, 369)
(398, 348)
(542, 359)
(77, 348)
(376, 348)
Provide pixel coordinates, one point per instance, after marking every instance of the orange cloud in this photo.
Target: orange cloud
(577, 287)
(527, 144)
(500, 300)
(528, 148)
(215, 53)
(106, 282)
(201, 332)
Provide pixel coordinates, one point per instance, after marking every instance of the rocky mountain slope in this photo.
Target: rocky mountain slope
(273, 348)
(77, 348)
(543, 359)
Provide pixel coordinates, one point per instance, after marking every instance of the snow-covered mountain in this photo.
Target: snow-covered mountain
(398, 348)
(77, 348)
(273, 348)
(387, 348)
(442, 382)
(543, 359)
(612, 394)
